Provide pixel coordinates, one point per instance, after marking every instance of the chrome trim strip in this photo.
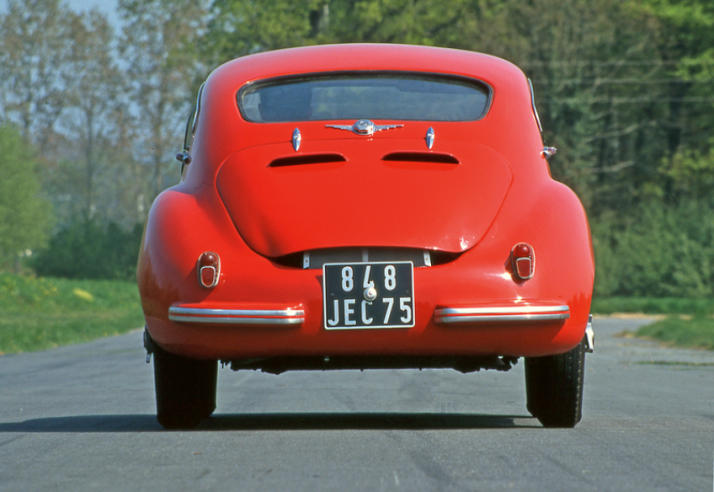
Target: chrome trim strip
(507, 317)
(523, 310)
(535, 111)
(235, 312)
(237, 321)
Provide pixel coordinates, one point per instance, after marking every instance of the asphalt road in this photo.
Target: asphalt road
(82, 418)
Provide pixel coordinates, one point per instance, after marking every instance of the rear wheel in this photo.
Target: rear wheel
(185, 389)
(554, 387)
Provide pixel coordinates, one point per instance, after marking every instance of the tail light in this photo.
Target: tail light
(523, 261)
(209, 269)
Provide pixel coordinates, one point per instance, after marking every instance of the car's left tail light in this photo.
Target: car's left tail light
(523, 261)
(209, 269)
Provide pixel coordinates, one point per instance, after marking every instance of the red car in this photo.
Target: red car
(366, 207)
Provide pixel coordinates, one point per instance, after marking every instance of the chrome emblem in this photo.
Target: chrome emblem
(430, 138)
(297, 138)
(364, 127)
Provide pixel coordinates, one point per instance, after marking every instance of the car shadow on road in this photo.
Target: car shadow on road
(277, 422)
(364, 421)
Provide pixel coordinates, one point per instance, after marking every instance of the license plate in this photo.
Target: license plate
(368, 295)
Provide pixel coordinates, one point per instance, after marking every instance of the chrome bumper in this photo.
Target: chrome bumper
(237, 316)
(502, 313)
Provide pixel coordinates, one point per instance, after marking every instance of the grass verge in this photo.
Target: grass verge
(653, 305)
(695, 332)
(41, 313)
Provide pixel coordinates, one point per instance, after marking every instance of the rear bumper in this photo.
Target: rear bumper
(479, 313)
(231, 331)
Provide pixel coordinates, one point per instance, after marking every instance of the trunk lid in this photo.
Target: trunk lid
(363, 192)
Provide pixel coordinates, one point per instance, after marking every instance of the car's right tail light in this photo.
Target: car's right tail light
(523, 261)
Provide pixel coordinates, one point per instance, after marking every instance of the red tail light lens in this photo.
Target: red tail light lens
(523, 261)
(209, 269)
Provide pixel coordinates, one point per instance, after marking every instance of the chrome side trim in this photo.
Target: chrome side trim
(535, 111)
(237, 316)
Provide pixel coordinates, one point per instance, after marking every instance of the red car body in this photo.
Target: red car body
(260, 201)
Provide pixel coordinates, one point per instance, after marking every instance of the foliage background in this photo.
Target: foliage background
(624, 90)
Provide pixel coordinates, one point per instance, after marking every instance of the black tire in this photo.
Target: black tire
(185, 389)
(554, 387)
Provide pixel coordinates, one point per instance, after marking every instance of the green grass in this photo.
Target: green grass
(653, 305)
(689, 324)
(41, 313)
(696, 332)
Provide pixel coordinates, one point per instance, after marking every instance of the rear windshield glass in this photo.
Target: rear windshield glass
(388, 96)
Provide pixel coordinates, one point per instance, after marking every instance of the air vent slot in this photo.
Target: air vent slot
(315, 258)
(436, 157)
(301, 160)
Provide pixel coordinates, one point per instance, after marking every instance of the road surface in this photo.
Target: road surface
(82, 418)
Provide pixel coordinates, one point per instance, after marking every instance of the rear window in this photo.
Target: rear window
(369, 95)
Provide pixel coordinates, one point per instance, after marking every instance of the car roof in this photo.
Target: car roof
(346, 57)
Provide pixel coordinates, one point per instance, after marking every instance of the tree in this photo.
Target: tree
(687, 51)
(61, 84)
(35, 41)
(24, 216)
(95, 120)
(242, 27)
(686, 46)
(159, 46)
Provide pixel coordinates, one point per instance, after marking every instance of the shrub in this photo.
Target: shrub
(90, 250)
(656, 251)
